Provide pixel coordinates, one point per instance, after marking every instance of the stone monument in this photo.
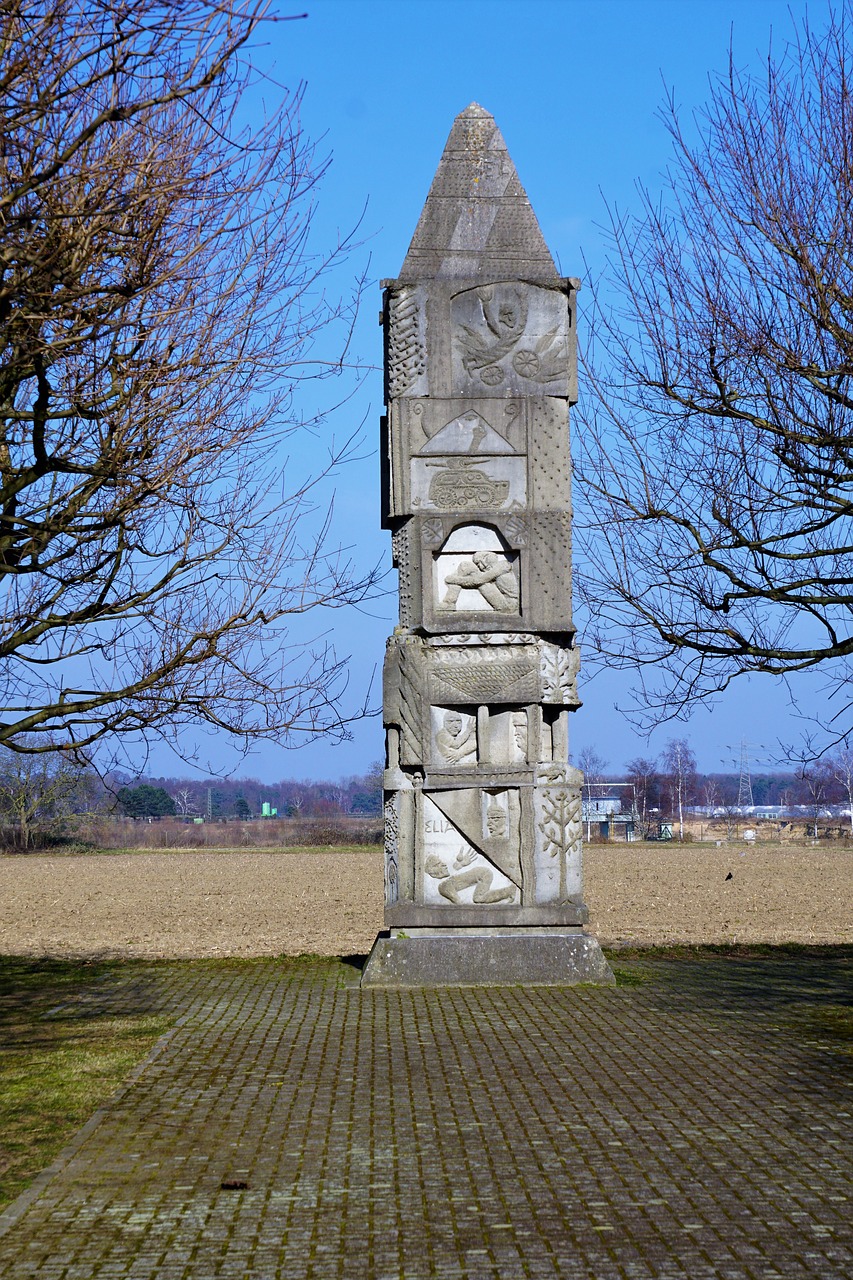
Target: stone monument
(482, 809)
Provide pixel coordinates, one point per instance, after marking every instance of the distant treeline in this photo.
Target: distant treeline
(219, 799)
(245, 798)
(722, 788)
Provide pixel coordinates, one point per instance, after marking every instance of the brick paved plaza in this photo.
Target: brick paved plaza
(689, 1123)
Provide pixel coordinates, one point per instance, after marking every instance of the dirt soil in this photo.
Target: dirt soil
(329, 901)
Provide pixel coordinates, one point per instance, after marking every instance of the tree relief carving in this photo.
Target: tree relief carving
(560, 828)
(558, 671)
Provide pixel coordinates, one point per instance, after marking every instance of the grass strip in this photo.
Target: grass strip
(70, 1034)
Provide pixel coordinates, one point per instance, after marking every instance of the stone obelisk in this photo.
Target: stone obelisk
(482, 809)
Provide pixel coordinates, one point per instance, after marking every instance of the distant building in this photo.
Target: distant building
(607, 814)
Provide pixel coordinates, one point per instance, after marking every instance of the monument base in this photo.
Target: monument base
(483, 957)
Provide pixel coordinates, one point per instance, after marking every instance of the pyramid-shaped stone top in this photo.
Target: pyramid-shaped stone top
(477, 223)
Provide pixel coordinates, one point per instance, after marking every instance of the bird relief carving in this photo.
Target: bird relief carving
(496, 329)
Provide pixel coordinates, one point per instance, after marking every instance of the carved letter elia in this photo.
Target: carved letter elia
(483, 829)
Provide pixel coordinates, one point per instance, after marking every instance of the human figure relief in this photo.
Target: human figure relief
(489, 573)
(453, 882)
(519, 734)
(495, 822)
(457, 740)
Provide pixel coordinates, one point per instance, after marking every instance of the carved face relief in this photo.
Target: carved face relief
(507, 737)
(519, 735)
(510, 338)
(454, 735)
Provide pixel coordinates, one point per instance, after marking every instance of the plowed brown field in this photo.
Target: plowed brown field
(329, 901)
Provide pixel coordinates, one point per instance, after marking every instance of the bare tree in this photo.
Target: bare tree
(679, 765)
(841, 767)
(730, 807)
(715, 449)
(815, 777)
(158, 298)
(185, 801)
(592, 765)
(38, 792)
(644, 774)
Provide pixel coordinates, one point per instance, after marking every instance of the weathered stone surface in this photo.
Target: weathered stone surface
(477, 221)
(507, 456)
(482, 808)
(552, 959)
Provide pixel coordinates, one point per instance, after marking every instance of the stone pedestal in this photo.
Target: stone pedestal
(474, 957)
(482, 809)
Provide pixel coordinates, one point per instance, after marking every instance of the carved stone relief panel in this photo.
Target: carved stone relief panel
(468, 426)
(558, 834)
(454, 869)
(392, 864)
(468, 432)
(458, 482)
(558, 674)
(454, 736)
(508, 737)
(475, 573)
(484, 674)
(404, 697)
(405, 359)
(490, 822)
(510, 339)
(401, 558)
(452, 640)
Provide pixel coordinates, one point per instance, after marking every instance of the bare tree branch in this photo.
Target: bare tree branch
(159, 295)
(714, 453)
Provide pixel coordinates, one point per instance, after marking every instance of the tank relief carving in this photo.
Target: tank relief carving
(406, 345)
(462, 483)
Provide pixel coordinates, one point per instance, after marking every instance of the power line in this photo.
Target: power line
(744, 786)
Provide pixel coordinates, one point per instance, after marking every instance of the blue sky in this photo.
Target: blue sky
(574, 86)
